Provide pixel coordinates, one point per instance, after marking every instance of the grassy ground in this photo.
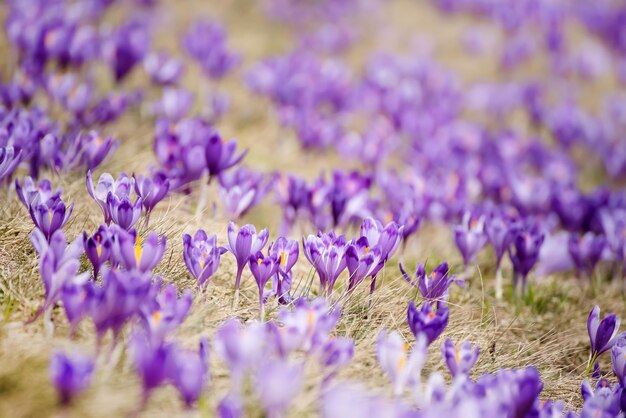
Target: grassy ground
(547, 331)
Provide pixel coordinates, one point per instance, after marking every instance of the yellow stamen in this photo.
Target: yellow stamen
(50, 213)
(259, 260)
(99, 250)
(283, 258)
(457, 356)
(138, 249)
(431, 315)
(367, 250)
(156, 316)
(310, 319)
(402, 359)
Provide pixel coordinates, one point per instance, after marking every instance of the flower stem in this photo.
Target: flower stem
(592, 360)
(498, 282)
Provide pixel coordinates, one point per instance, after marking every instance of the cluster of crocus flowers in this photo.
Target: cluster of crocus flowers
(202, 255)
(47, 211)
(243, 244)
(70, 374)
(433, 286)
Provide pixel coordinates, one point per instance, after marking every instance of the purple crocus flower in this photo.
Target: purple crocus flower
(126, 47)
(241, 348)
(292, 195)
(470, 237)
(242, 245)
(58, 263)
(151, 190)
(402, 367)
(286, 252)
(119, 299)
(50, 217)
(189, 372)
(277, 384)
(618, 359)
(70, 375)
(336, 354)
(435, 285)
(426, 321)
(362, 261)
(459, 360)
(586, 251)
(151, 362)
(497, 227)
(9, 159)
(602, 334)
(89, 150)
(327, 254)
(602, 402)
(205, 42)
(220, 155)
(30, 192)
(133, 252)
(123, 212)
(162, 68)
(122, 187)
(526, 242)
(241, 190)
(174, 104)
(202, 255)
(76, 298)
(230, 407)
(307, 326)
(263, 269)
(98, 248)
(165, 313)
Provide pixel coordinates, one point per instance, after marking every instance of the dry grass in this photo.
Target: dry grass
(548, 333)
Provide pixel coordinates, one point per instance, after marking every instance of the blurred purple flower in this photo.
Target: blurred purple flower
(123, 212)
(402, 367)
(459, 360)
(527, 239)
(470, 237)
(277, 384)
(586, 251)
(189, 372)
(70, 375)
(205, 42)
(162, 68)
(9, 160)
(220, 155)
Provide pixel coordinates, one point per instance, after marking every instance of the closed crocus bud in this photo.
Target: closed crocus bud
(426, 321)
(151, 362)
(602, 334)
(70, 375)
(618, 359)
(526, 242)
(202, 255)
(133, 252)
(459, 360)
